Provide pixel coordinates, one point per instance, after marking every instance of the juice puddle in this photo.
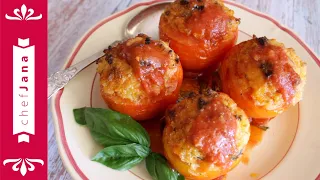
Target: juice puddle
(254, 175)
(255, 139)
(154, 128)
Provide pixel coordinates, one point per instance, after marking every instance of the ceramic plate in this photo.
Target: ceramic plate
(290, 149)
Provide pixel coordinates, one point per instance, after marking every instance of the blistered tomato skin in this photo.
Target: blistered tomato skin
(263, 77)
(205, 135)
(200, 32)
(140, 77)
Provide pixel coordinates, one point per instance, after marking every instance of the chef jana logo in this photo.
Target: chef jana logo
(23, 14)
(26, 164)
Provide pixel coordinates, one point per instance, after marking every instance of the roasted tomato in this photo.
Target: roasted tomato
(140, 77)
(200, 32)
(263, 77)
(205, 135)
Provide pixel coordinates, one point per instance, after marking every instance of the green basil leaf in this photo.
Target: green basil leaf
(122, 157)
(110, 128)
(79, 116)
(159, 169)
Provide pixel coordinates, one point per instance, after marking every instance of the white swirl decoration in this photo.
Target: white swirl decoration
(23, 167)
(23, 14)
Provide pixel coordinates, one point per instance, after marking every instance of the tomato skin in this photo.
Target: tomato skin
(140, 77)
(141, 112)
(183, 168)
(202, 38)
(191, 55)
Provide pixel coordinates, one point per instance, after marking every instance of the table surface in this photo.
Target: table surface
(70, 19)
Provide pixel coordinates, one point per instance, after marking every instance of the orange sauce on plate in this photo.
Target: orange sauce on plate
(256, 136)
(254, 175)
(255, 139)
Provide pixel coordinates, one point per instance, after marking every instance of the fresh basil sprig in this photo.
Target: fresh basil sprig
(110, 128)
(122, 157)
(126, 142)
(159, 169)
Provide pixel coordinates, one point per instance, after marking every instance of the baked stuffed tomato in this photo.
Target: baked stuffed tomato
(263, 77)
(205, 135)
(199, 31)
(140, 77)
